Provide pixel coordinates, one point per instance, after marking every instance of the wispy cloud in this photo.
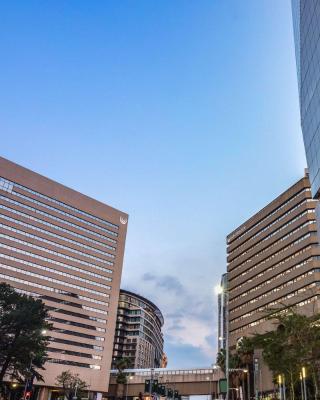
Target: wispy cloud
(166, 282)
(188, 319)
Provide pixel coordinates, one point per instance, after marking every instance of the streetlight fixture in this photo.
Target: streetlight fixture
(301, 386)
(219, 290)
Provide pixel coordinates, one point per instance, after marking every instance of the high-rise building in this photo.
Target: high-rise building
(274, 261)
(66, 249)
(222, 312)
(138, 334)
(306, 23)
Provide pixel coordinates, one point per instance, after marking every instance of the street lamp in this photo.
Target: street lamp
(43, 333)
(219, 290)
(245, 371)
(304, 375)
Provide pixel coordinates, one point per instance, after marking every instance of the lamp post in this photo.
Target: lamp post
(245, 371)
(280, 386)
(304, 375)
(32, 356)
(223, 290)
(151, 382)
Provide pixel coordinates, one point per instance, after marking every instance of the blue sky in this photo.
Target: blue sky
(182, 113)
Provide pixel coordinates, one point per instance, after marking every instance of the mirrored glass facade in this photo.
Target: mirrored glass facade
(306, 23)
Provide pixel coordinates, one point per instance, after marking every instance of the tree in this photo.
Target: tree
(121, 365)
(293, 344)
(71, 384)
(245, 352)
(22, 341)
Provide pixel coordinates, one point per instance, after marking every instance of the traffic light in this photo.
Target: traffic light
(162, 390)
(147, 386)
(176, 394)
(27, 395)
(170, 393)
(155, 386)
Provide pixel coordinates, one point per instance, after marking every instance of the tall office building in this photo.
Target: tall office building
(306, 22)
(273, 261)
(138, 332)
(222, 313)
(66, 249)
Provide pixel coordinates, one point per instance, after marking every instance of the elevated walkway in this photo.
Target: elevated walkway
(198, 381)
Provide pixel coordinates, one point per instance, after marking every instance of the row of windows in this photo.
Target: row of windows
(277, 303)
(61, 220)
(75, 314)
(277, 288)
(294, 255)
(264, 307)
(41, 239)
(55, 271)
(47, 278)
(271, 213)
(68, 266)
(287, 271)
(40, 203)
(6, 185)
(78, 324)
(281, 239)
(277, 230)
(67, 303)
(73, 363)
(59, 228)
(64, 238)
(64, 205)
(71, 303)
(74, 353)
(79, 334)
(77, 344)
(51, 289)
(273, 245)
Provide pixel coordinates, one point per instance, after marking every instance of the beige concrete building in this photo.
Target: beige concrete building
(273, 260)
(67, 249)
(138, 334)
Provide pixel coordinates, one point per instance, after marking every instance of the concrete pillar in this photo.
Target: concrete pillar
(44, 394)
(99, 396)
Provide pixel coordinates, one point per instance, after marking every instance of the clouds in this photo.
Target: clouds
(188, 314)
(167, 282)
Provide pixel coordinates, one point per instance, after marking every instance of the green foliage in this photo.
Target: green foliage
(293, 344)
(22, 323)
(121, 365)
(71, 384)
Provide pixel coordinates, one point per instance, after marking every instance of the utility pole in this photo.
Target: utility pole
(255, 376)
(151, 383)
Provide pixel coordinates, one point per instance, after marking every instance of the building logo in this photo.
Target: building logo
(123, 220)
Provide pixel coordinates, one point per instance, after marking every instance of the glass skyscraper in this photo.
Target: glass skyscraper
(306, 23)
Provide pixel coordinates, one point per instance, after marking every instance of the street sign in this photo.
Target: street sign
(222, 386)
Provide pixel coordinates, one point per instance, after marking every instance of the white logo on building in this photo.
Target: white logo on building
(123, 220)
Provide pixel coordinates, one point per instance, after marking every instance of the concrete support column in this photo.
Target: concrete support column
(44, 394)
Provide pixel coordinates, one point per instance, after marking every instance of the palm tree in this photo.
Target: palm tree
(121, 365)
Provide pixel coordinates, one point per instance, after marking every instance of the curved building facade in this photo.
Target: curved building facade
(138, 334)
